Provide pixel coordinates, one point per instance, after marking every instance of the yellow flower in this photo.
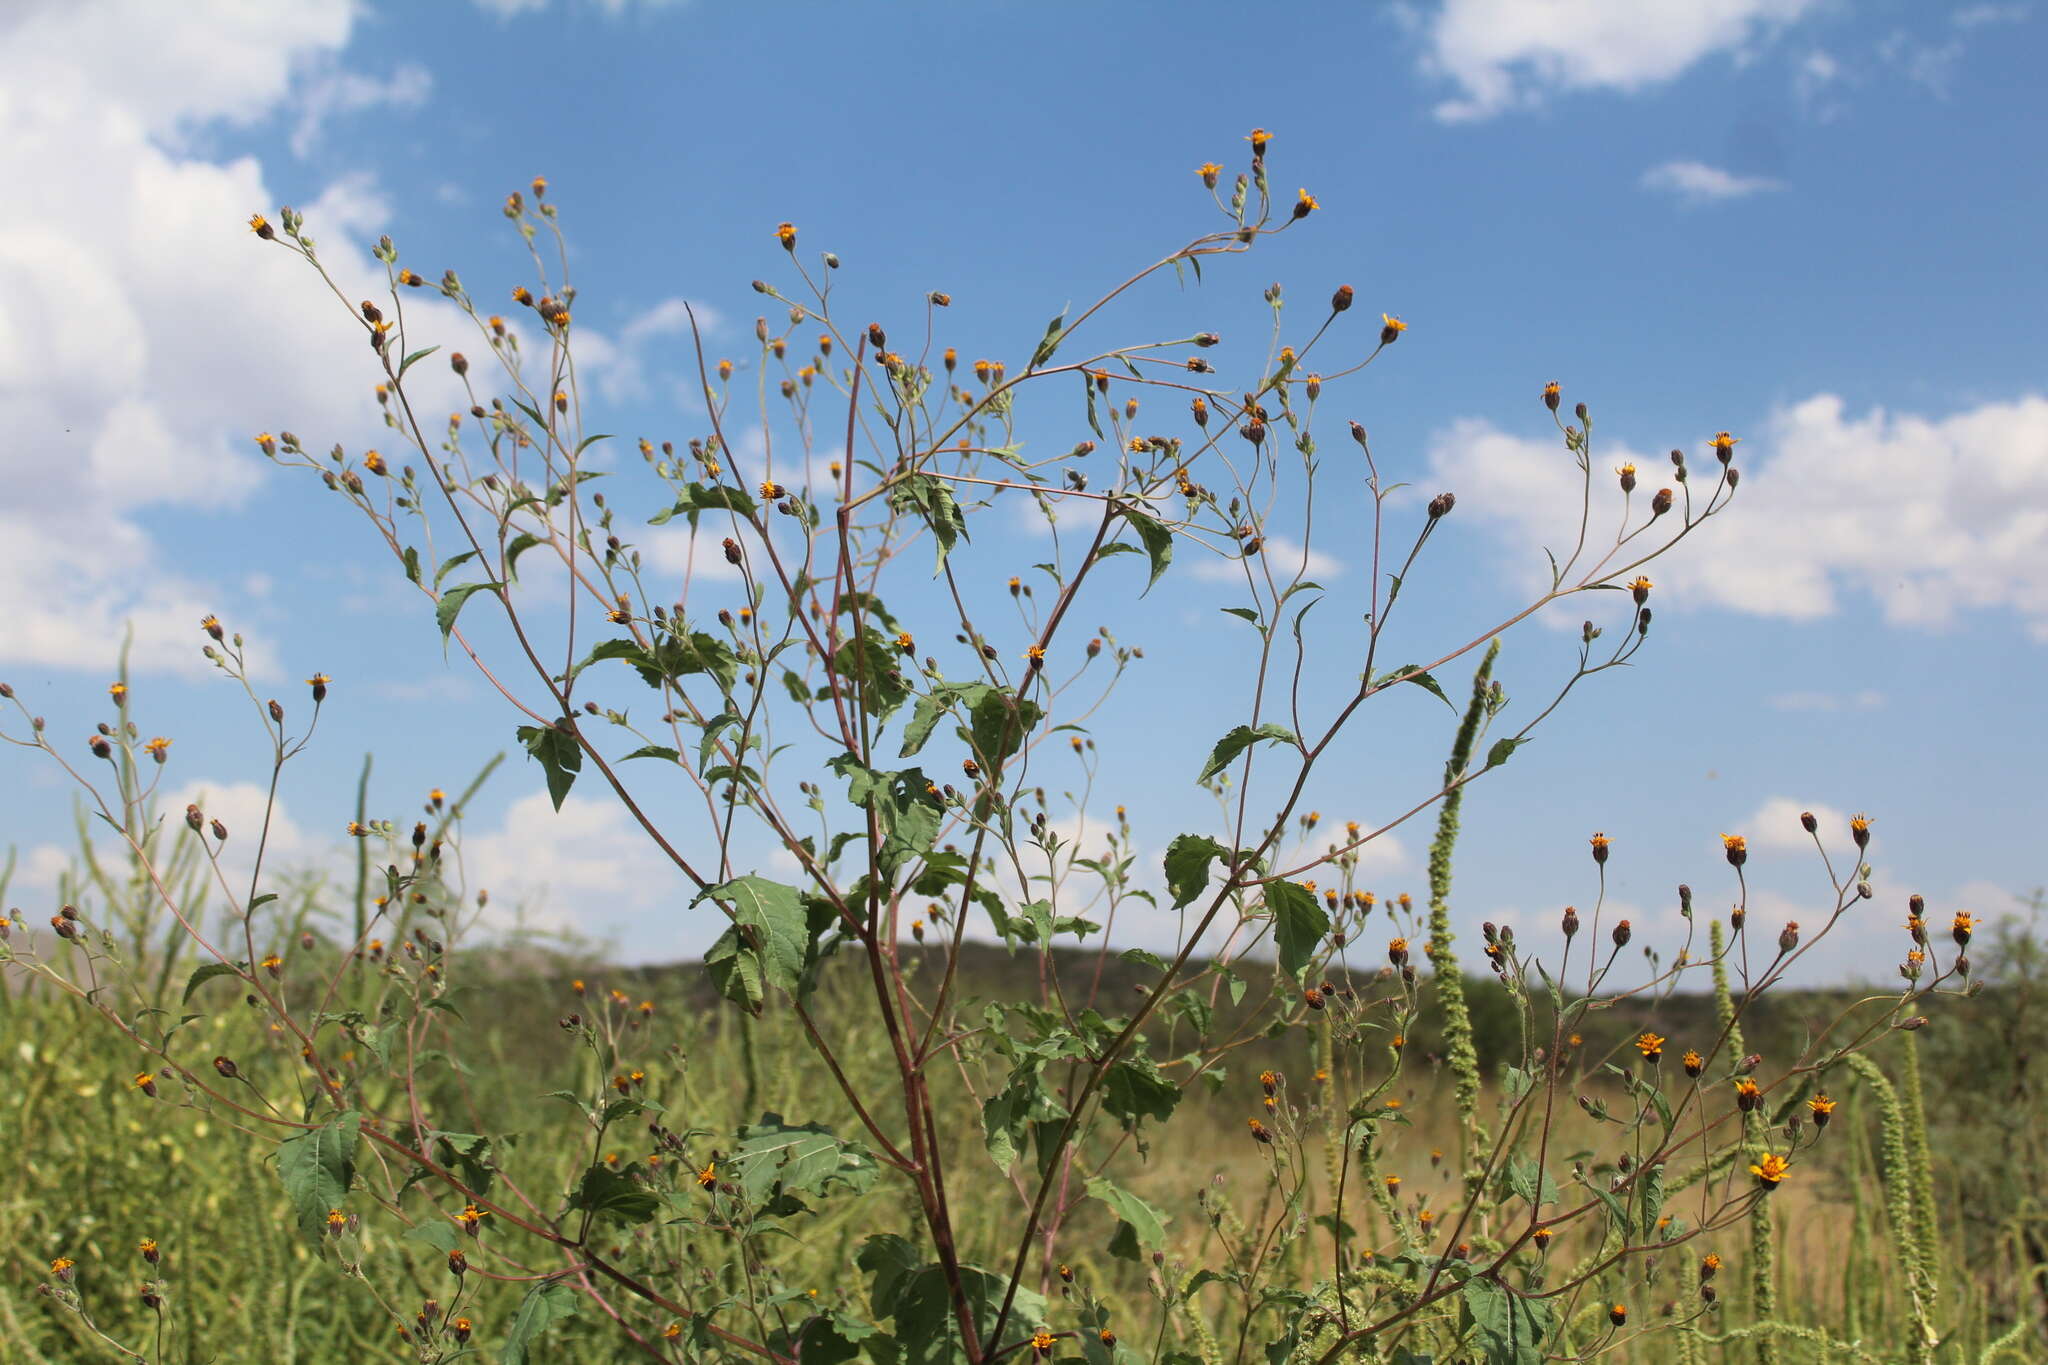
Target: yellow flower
(773, 491)
(1692, 1062)
(118, 691)
(708, 1176)
(260, 225)
(1771, 1169)
(785, 233)
(1305, 205)
(1723, 444)
(1823, 1109)
(1258, 137)
(1391, 327)
(1651, 1045)
(1209, 170)
(1035, 655)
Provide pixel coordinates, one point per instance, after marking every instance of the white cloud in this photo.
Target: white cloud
(1865, 700)
(1511, 54)
(1695, 182)
(509, 9)
(587, 869)
(337, 92)
(1977, 16)
(1930, 516)
(1775, 825)
(1287, 558)
(136, 286)
(619, 364)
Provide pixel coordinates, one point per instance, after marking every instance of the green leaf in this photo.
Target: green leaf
(449, 604)
(776, 1158)
(1237, 741)
(1531, 1182)
(208, 972)
(652, 751)
(412, 563)
(1414, 674)
(1187, 865)
(317, 1169)
(699, 498)
(561, 757)
(1500, 751)
(1050, 342)
(1139, 1227)
(1158, 543)
(521, 543)
(933, 500)
(1622, 1221)
(438, 1233)
(547, 1303)
(766, 944)
(1002, 722)
(915, 1298)
(420, 354)
(453, 562)
(1136, 1089)
(610, 1193)
(1509, 1329)
(1299, 923)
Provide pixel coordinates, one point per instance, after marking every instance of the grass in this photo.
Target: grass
(96, 1167)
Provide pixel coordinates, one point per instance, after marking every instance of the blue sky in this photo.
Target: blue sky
(1815, 224)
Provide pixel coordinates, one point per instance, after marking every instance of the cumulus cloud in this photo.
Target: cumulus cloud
(336, 93)
(136, 288)
(1285, 557)
(620, 363)
(1512, 54)
(589, 870)
(1928, 516)
(1775, 825)
(1695, 182)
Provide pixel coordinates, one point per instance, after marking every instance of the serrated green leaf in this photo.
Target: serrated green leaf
(1500, 752)
(1158, 543)
(1299, 923)
(1187, 865)
(765, 946)
(1140, 1227)
(609, 1193)
(1237, 741)
(559, 754)
(208, 972)
(317, 1169)
(449, 604)
(1413, 674)
(546, 1303)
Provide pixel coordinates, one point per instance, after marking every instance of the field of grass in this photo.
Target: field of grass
(95, 1167)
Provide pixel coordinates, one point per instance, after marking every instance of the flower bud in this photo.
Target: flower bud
(1621, 934)
(1341, 300)
(1788, 939)
(1440, 506)
(1660, 502)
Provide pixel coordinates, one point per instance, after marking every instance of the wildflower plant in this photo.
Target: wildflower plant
(820, 708)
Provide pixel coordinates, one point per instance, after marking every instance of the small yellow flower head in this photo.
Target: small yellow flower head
(1618, 1314)
(337, 1221)
(64, 1268)
(1859, 829)
(1965, 924)
(118, 691)
(1770, 1170)
(1552, 395)
(145, 1081)
(1260, 1133)
(1710, 1265)
(1393, 1184)
(318, 682)
(1747, 1095)
(1042, 1342)
(1305, 204)
(1035, 656)
(1822, 1109)
(1269, 1081)
(772, 491)
(1693, 1062)
(149, 1250)
(273, 964)
(673, 1332)
(1736, 847)
(1258, 137)
(1723, 446)
(462, 1327)
(1599, 844)
(374, 462)
(260, 225)
(1209, 170)
(1397, 951)
(1651, 1045)
(471, 1218)
(1390, 329)
(1640, 589)
(785, 233)
(1542, 1238)
(708, 1176)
